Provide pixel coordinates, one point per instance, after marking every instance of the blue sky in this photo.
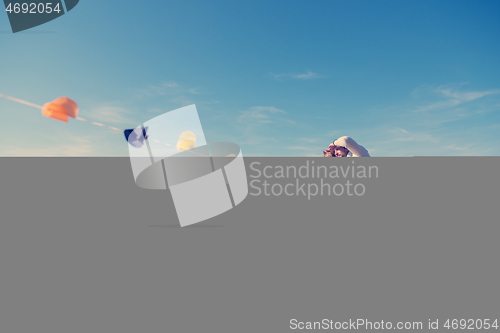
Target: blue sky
(279, 78)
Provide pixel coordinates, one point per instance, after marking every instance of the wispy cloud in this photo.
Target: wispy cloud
(263, 115)
(165, 88)
(176, 93)
(418, 137)
(260, 124)
(446, 97)
(399, 134)
(308, 140)
(458, 148)
(334, 133)
(300, 148)
(309, 151)
(465, 96)
(296, 76)
(109, 114)
(307, 76)
(73, 146)
(194, 91)
(183, 100)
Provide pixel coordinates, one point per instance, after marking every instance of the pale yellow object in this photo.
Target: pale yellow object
(187, 140)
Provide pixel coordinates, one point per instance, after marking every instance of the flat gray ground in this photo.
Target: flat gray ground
(83, 249)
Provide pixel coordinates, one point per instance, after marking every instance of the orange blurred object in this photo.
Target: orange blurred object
(61, 109)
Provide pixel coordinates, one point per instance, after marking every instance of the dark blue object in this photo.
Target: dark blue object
(70, 4)
(136, 137)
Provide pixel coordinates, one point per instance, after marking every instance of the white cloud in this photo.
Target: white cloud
(294, 76)
(400, 134)
(459, 97)
(307, 140)
(262, 115)
(445, 116)
(300, 148)
(455, 147)
(109, 114)
(307, 76)
(165, 88)
(182, 100)
(176, 94)
(418, 137)
(334, 133)
(260, 125)
(447, 97)
(309, 151)
(73, 146)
